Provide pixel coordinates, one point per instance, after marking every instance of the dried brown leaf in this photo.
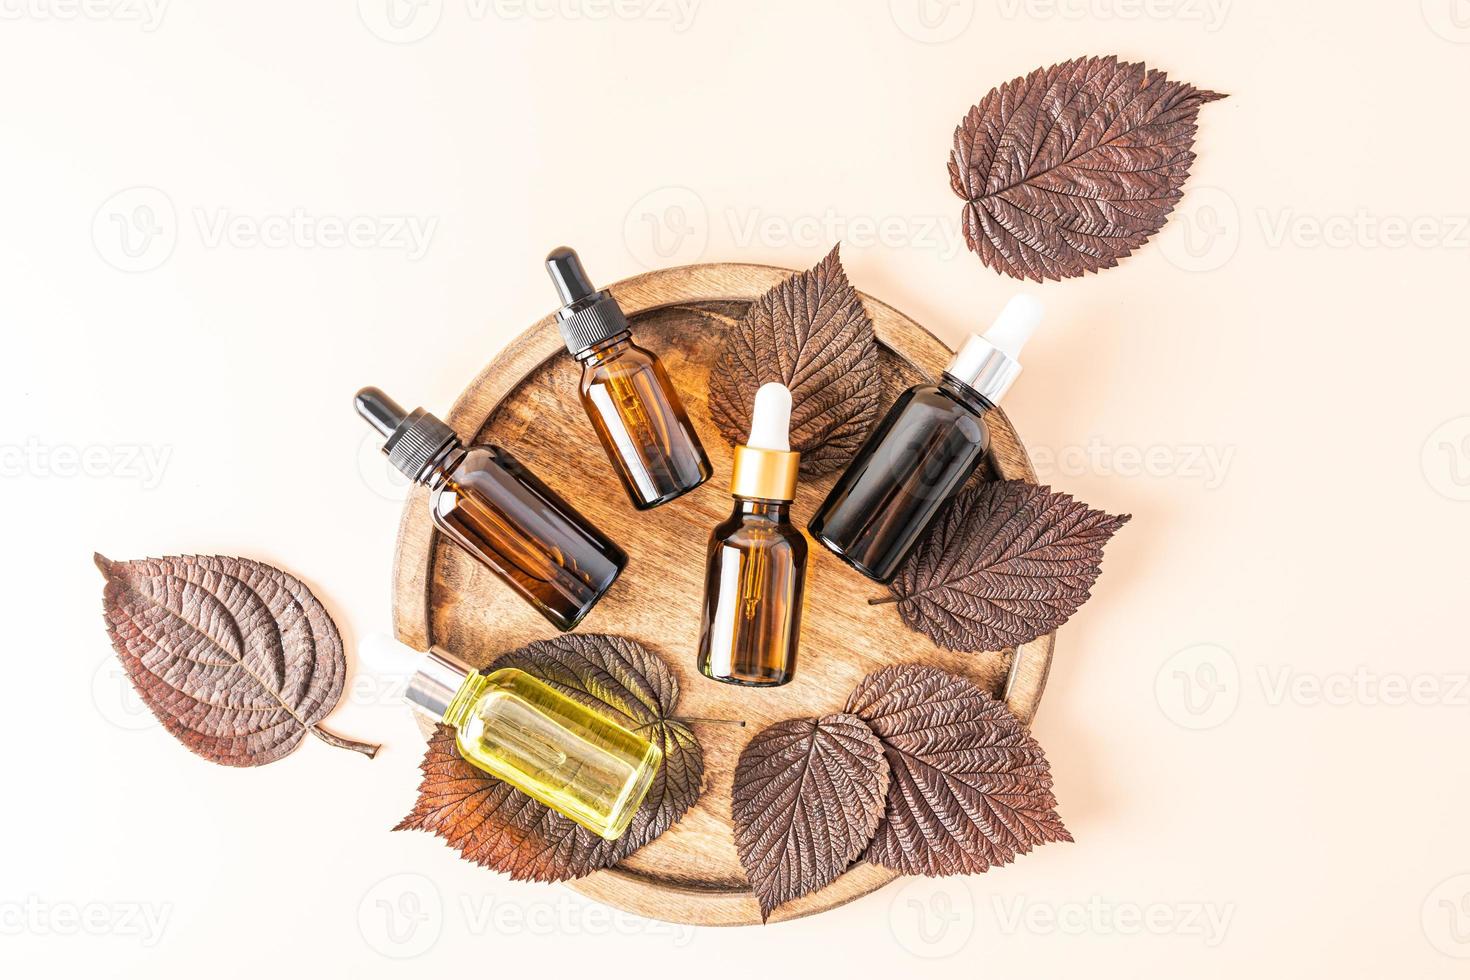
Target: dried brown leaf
(236, 658)
(1072, 167)
(970, 788)
(1004, 563)
(497, 826)
(807, 796)
(811, 334)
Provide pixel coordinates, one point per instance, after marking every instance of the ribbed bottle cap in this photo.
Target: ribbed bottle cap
(414, 439)
(588, 315)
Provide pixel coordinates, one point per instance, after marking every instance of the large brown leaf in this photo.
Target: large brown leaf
(1004, 563)
(1072, 167)
(237, 659)
(807, 797)
(970, 788)
(495, 825)
(811, 334)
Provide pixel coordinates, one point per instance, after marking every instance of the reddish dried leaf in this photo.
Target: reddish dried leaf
(1006, 562)
(236, 658)
(811, 334)
(970, 788)
(807, 796)
(1072, 167)
(497, 826)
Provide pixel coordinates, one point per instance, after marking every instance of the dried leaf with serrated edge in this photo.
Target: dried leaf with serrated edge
(1004, 563)
(497, 826)
(1072, 167)
(236, 658)
(807, 796)
(811, 334)
(970, 788)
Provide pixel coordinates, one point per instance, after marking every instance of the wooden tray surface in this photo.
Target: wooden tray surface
(526, 401)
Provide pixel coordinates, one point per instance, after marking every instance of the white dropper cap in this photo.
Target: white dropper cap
(990, 363)
(770, 421)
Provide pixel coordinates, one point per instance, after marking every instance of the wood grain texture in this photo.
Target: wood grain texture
(525, 401)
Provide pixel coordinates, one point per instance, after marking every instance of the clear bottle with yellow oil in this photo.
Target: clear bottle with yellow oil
(756, 571)
(525, 732)
(626, 392)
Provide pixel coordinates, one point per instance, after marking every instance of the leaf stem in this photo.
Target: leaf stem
(885, 599)
(366, 748)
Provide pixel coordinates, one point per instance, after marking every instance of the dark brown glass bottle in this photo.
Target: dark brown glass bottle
(756, 572)
(485, 501)
(626, 392)
(923, 451)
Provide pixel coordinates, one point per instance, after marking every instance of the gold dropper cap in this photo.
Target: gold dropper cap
(765, 468)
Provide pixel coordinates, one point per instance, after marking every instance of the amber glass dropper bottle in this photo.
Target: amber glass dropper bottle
(554, 749)
(756, 567)
(923, 450)
(626, 392)
(498, 511)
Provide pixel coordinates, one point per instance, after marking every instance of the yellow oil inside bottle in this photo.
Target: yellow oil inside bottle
(554, 749)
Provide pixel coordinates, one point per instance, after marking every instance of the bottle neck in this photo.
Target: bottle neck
(443, 465)
(966, 395)
(465, 698)
(778, 511)
(608, 349)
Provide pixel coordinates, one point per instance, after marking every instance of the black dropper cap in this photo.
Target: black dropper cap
(588, 315)
(414, 439)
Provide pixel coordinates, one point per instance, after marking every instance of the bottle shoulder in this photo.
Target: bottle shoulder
(748, 532)
(935, 404)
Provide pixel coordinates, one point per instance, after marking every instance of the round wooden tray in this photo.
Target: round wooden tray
(526, 400)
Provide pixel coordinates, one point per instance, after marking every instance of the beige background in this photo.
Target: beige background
(1257, 725)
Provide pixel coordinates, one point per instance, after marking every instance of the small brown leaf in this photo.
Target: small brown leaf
(1005, 562)
(1072, 167)
(497, 826)
(970, 788)
(807, 797)
(811, 334)
(236, 658)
